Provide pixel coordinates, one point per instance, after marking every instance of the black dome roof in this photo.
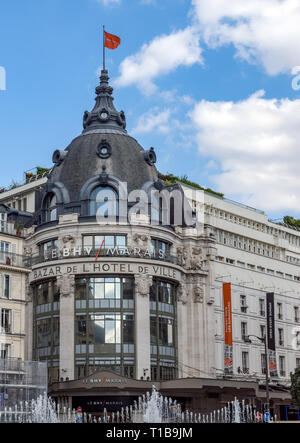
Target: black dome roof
(104, 154)
(126, 163)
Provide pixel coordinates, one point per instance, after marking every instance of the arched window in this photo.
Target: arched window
(157, 207)
(50, 209)
(104, 200)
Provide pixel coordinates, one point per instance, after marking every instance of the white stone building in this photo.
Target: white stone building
(13, 289)
(256, 256)
(138, 300)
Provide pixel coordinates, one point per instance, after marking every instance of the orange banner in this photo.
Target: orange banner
(227, 313)
(228, 350)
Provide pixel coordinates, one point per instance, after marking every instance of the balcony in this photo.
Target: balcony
(10, 229)
(5, 329)
(55, 254)
(10, 364)
(14, 260)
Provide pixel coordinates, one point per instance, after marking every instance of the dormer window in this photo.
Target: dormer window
(50, 209)
(104, 201)
(3, 219)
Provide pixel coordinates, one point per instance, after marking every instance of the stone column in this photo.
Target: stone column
(182, 324)
(29, 323)
(142, 325)
(66, 284)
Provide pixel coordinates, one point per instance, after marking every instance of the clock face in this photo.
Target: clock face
(104, 115)
(104, 151)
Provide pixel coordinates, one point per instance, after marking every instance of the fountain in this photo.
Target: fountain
(150, 408)
(43, 410)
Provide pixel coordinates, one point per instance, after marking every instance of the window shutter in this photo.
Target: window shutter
(12, 351)
(12, 322)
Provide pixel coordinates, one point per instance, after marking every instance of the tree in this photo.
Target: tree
(295, 387)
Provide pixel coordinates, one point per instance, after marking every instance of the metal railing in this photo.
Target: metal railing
(11, 364)
(9, 228)
(55, 254)
(16, 260)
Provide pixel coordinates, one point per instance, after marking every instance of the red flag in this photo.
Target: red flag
(111, 41)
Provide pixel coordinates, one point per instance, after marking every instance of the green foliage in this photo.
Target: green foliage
(14, 184)
(291, 221)
(19, 226)
(171, 179)
(295, 387)
(41, 171)
(29, 177)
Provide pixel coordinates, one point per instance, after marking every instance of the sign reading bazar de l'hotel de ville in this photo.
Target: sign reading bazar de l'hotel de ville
(106, 267)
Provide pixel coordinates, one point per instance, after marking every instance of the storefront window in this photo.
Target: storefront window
(105, 325)
(162, 330)
(46, 299)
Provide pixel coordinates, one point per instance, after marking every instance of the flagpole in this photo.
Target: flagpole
(103, 47)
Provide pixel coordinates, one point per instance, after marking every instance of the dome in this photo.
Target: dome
(88, 156)
(103, 155)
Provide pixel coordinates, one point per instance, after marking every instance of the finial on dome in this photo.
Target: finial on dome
(104, 116)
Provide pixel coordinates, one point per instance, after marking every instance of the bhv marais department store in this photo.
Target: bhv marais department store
(115, 307)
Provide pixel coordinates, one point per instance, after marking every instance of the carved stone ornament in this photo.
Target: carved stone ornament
(67, 242)
(196, 259)
(190, 259)
(150, 157)
(66, 284)
(28, 251)
(143, 284)
(182, 296)
(198, 294)
(182, 255)
(140, 240)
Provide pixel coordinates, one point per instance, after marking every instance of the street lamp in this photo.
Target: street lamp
(263, 340)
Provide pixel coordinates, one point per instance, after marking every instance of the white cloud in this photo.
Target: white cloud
(264, 31)
(161, 56)
(153, 120)
(109, 2)
(256, 143)
(147, 2)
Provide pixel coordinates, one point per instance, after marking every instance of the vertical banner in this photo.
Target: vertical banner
(228, 349)
(271, 334)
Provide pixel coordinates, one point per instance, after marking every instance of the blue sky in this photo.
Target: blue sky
(206, 82)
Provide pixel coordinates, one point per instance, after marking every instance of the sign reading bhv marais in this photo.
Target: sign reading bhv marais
(271, 334)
